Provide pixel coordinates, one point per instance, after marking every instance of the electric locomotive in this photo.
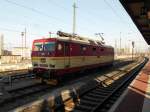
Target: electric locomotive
(53, 58)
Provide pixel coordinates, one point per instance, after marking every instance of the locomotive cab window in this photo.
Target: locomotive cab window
(38, 46)
(41, 46)
(49, 46)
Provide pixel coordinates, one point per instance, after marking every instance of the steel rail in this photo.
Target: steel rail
(21, 93)
(13, 71)
(25, 73)
(121, 85)
(30, 90)
(92, 100)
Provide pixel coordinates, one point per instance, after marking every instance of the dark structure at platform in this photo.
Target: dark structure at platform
(139, 11)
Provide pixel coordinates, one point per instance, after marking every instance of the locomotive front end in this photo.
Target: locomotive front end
(42, 52)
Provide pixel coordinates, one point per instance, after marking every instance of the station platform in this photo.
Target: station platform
(136, 97)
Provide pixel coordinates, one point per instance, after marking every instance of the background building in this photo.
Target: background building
(24, 52)
(9, 59)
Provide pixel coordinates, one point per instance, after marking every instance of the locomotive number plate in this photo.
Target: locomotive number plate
(43, 60)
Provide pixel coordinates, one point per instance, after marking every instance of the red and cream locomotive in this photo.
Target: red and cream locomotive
(52, 58)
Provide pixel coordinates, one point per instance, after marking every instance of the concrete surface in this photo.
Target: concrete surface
(136, 97)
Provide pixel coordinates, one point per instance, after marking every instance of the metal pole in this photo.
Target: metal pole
(116, 47)
(132, 53)
(129, 48)
(132, 49)
(22, 34)
(74, 18)
(74, 28)
(25, 37)
(50, 34)
(120, 43)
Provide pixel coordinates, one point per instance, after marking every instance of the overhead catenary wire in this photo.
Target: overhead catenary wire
(81, 17)
(33, 10)
(57, 4)
(66, 10)
(36, 11)
(16, 31)
(113, 10)
(41, 13)
(58, 19)
(121, 19)
(10, 30)
(115, 13)
(94, 20)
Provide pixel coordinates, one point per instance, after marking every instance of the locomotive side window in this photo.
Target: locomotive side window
(83, 48)
(94, 48)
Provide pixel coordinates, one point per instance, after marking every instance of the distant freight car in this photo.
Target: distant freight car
(53, 58)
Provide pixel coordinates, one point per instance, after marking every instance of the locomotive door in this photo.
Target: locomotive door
(66, 55)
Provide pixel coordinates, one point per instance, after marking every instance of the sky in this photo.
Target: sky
(40, 17)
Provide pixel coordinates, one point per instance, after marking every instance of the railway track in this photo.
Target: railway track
(17, 97)
(15, 75)
(10, 72)
(9, 77)
(21, 96)
(104, 95)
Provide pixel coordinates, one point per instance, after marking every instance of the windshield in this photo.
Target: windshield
(47, 46)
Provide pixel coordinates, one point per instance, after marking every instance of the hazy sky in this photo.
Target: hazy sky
(42, 16)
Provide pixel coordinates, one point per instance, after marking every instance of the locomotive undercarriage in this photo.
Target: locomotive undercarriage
(47, 76)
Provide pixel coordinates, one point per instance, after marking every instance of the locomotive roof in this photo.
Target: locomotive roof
(85, 41)
(75, 40)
